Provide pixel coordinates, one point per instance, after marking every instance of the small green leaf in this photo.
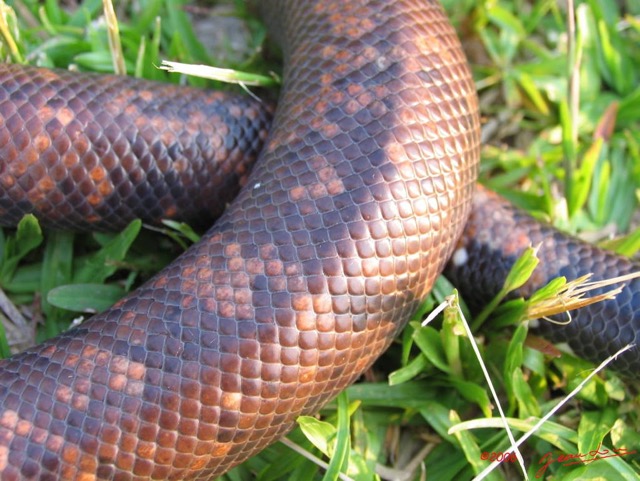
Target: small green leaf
(582, 179)
(623, 436)
(594, 426)
(473, 393)
(430, 343)
(575, 370)
(28, 236)
(509, 313)
(182, 228)
(26, 279)
(527, 402)
(97, 61)
(102, 264)
(438, 416)
(5, 350)
(549, 290)
(407, 341)
(89, 298)
(342, 445)
(628, 245)
(519, 274)
(528, 85)
(534, 361)
(515, 352)
(408, 372)
(320, 433)
(410, 395)
(471, 450)
(521, 270)
(513, 362)
(56, 270)
(452, 335)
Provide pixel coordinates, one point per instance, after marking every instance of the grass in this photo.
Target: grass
(561, 114)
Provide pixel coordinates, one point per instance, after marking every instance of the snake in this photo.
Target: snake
(359, 195)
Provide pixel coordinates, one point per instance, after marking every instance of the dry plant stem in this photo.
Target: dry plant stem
(570, 298)
(114, 38)
(12, 312)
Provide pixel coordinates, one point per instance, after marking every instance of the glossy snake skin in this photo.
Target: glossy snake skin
(353, 208)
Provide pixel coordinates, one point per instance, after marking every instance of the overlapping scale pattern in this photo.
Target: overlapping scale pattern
(93, 152)
(340, 230)
(497, 234)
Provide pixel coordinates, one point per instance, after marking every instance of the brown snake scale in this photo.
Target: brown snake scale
(352, 210)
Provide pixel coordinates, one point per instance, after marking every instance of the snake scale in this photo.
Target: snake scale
(357, 200)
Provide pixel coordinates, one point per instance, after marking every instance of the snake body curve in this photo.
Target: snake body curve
(350, 214)
(353, 208)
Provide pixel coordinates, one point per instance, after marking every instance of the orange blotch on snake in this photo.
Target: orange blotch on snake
(65, 116)
(231, 401)
(45, 184)
(17, 169)
(297, 193)
(41, 142)
(328, 51)
(86, 476)
(4, 455)
(307, 374)
(170, 212)
(80, 402)
(146, 95)
(199, 463)
(226, 309)
(98, 173)
(35, 196)
(164, 456)
(343, 56)
(242, 298)
(354, 89)
(301, 302)
(322, 304)
(168, 138)
(105, 188)
(396, 152)
(221, 449)
(70, 159)
(274, 268)
(55, 443)
(38, 435)
(146, 450)
(136, 371)
(45, 114)
(117, 382)
(235, 264)
(207, 305)
(70, 454)
(517, 243)
(23, 428)
(320, 107)
(94, 199)
(254, 266)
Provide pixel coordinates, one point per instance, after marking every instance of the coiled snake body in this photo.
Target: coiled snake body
(356, 203)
